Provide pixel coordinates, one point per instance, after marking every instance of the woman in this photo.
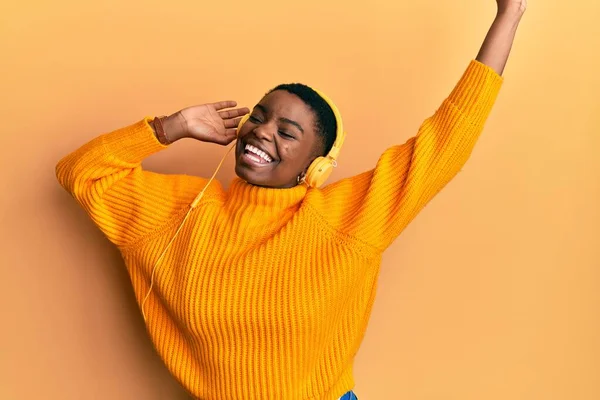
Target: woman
(264, 290)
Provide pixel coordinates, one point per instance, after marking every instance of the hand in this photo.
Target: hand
(512, 7)
(211, 122)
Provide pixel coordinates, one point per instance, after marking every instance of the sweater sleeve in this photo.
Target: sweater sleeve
(126, 202)
(374, 207)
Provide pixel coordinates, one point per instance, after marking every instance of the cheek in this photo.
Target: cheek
(295, 154)
(244, 130)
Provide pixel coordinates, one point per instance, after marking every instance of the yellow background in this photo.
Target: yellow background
(491, 293)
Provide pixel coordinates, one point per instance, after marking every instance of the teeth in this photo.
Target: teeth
(258, 152)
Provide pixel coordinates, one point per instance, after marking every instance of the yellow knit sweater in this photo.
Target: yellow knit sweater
(266, 293)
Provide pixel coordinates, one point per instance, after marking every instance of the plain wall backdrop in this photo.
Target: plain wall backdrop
(493, 292)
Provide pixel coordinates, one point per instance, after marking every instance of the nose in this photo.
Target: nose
(264, 131)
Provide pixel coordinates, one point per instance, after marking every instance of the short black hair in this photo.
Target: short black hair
(326, 125)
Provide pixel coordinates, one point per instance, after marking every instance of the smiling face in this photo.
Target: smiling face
(278, 142)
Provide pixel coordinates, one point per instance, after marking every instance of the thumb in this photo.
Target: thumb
(226, 138)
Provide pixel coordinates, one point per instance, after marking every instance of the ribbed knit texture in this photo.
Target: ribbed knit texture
(266, 293)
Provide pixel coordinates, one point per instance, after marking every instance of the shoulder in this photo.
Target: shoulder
(334, 206)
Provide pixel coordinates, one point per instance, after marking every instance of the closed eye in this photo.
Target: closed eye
(254, 119)
(286, 135)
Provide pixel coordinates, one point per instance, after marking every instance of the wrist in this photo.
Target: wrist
(506, 25)
(169, 129)
(175, 127)
(510, 16)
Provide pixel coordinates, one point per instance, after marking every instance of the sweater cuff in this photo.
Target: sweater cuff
(476, 92)
(133, 143)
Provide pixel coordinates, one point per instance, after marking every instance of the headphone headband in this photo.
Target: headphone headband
(340, 134)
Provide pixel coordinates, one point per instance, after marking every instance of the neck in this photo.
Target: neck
(244, 194)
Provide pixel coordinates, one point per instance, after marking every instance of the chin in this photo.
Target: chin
(256, 179)
(250, 176)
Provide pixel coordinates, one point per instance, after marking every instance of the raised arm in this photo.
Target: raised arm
(374, 207)
(497, 44)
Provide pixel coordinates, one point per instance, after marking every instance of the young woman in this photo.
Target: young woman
(264, 290)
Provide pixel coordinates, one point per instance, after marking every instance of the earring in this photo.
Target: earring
(300, 178)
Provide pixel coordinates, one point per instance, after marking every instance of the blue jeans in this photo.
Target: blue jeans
(349, 396)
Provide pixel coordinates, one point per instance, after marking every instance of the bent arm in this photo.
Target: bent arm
(106, 178)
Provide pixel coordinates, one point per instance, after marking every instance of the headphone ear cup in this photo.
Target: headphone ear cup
(318, 171)
(241, 123)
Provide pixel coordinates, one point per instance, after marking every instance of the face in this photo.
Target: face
(278, 142)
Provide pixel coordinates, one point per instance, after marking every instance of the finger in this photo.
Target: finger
(224, 104)
(232, 123)
(231, 132)
(238, 112)
(223, 139)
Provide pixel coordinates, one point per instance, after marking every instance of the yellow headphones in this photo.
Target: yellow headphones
(317, 173)
(322, 167)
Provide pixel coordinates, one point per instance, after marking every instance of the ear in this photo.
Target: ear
(311, 160)
(319, 148)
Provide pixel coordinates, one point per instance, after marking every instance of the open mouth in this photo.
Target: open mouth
(256, 155)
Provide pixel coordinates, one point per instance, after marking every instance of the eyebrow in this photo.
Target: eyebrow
(282, 119)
